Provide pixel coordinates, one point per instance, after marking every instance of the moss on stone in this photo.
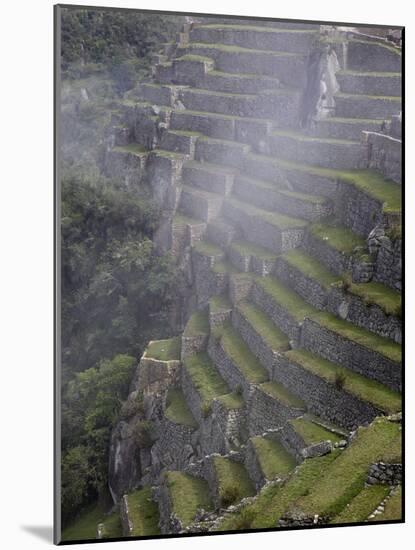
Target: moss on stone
(347, 475)
(177, 410)
(188, 494)
(311, 432)
(310, 267)
(264, 326)
(143, 512)
(206, 379)
(242, 356)
(286, 298)
(273, 459)
(361, 336)
(165, 350)
(364, 388)
(281, 394)
(362, 505)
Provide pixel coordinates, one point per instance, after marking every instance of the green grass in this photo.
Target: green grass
(389, 47)
(231, 400)
(193, 57)
(347, 476)
(205, 248)
(218, 304)
(293, 134)
(168, 154)
(286, 298)
(210, 167)
(313, 433)
(257, 29)
(241, 355)
(224, 266)
(393, 508)
(274, 460)
(245, 248)
(181, 219)
(133, 148)
(362, 505)
(239, 49)
(364, 388)
(232, 477)
(165, 350)
(177, 410)
(374, 293)
(112, 526)
(310, 267)
(85, 526)
(339, 238)
(393, 98)
(278, 220)
(185, 133)
(144, 513)
(365, 338)
(280, 393)
(264, 326)
(197, 325)
(188, 494)
(274, 500)
(206, 379)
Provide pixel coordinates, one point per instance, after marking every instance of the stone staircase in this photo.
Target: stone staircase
(293, 340)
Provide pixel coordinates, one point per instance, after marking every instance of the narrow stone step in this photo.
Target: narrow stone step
(345, 128)
(270, 230)
(285, 307)
(333, 246)
(267, 459)
(218, 151)
(371, 83)
(354, 348)
(210, 177)
(289, 68)
(259, 38)
(222, 233)
(338, 394)
(200, 204)
(220, 81)
(180, 141)
(325, 152)
(367, 106)
(247, 257)
(307, 276)
(368, 56)
(181, 496)
(231, 482)
(274, 197)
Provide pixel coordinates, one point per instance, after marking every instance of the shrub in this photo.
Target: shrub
(244, 519)
(229, 496)
(339, 380)
(143, 433)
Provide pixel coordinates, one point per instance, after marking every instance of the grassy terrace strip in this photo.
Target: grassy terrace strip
(197, 325)
(377, 43)
(207, 248)
(233, 481)
(194, 57)
(181, 219)
(133, 148)
(177, 410)
(168, 154)
(231, 400)
(274, 460)
(346, 477)
(286, 298)
(362, 505)
(281, 394)
(223, 266)
(393, 508)
(187, 494)
(165, 350)
(202, 91)
(85, 526)
(274, 500)
(205, 377)
(270, 30)
(245, 248)
(310, 267)
(143, 512)
(242, 356)
(279, 220)
(306, 138)
(210, 166)
(361, 336)
(312, 432)
(263, 325)
(219, 303)
(374, 293)
(364, 388)
(368, 181)
(339, 238)
(235, 49)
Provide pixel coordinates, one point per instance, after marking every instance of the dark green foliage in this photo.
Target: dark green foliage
(143, 434)
(339, 380)
(229, 496)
